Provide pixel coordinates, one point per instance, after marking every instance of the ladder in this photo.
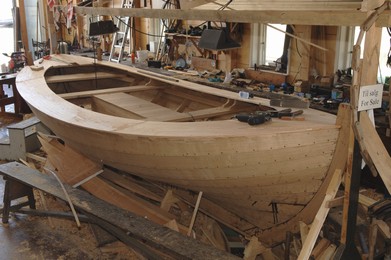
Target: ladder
(120, 36)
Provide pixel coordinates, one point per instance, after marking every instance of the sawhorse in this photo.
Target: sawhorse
(15, 190)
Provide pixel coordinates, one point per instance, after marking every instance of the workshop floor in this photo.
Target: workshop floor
(30, 237)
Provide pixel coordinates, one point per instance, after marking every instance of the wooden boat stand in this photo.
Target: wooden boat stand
(151, 240)
(366, 145)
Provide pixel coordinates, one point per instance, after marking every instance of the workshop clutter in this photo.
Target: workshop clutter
(260, 117)
(17, 61)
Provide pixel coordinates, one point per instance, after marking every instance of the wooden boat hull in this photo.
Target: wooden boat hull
(249, 170)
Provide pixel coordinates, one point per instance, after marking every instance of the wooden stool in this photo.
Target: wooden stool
(15, 190)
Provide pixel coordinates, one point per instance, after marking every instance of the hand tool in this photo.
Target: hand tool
(292, 115)
(276, 113)
(256, 118)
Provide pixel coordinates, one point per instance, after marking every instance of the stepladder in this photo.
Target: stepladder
(121, 36)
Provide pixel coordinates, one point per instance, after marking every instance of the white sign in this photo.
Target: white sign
(370, 97)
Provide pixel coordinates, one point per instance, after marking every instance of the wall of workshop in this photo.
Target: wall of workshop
(299, 55)
(244, 53)
(308, 63)
(141, 27)
(322, 62)
(226, 60)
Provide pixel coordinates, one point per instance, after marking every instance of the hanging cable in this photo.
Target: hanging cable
(389, 52)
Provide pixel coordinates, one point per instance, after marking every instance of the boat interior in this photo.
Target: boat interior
(124, 94)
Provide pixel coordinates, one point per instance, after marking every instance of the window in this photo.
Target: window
(6, 32)
(267, 43)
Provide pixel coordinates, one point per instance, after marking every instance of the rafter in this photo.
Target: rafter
(284, 5)
(346, 18)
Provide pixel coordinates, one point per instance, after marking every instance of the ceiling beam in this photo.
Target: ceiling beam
(346, 18)
(283, 5)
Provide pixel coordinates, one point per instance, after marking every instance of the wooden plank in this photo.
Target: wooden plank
(36, 157)
(375, 148)
(320, 217)
(376, 225)
(74, 164)
(121, 103)
(199, 63)
(190, 96)
(310, 17)
(334, 202)
(383, 227)
(320, 248)
(126, 183)
(72, 167)
(148, 233)
(25, 123)
(135, 105)
(82, 77)
(365, 201)
(217, 212)
(328, 253)
(313, 5)
(90, 93)
(364, 74)
(372, 237)
(254, 248)
(368, 5)
(168, 200)
(304, 229)
(200, 114)
(195, 211)
(24, 33)
(265, 76)
(370, 63)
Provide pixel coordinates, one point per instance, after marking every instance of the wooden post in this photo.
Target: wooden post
(320, 217)
(365, 73)
(23, 29)
(352, 186)
(288, 241)
(80, 24)
(44, 21)
(372, 239)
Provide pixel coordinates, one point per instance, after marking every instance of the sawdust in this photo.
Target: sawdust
(33, 237)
